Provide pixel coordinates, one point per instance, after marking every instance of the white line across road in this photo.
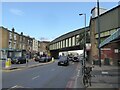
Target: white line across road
(35, 77)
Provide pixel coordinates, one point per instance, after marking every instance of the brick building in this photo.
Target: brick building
(12, 42)
(109, 23)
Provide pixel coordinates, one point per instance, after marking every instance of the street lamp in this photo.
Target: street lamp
(84, 47)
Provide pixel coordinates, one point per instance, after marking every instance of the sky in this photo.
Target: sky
(47, 20)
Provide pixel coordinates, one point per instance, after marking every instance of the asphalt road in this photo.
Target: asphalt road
(47, 76)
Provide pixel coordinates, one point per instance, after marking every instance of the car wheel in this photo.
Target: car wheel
(58, 64)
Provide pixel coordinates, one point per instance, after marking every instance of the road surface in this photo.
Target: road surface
(47, 76)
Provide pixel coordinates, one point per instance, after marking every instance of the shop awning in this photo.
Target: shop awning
(114, 36)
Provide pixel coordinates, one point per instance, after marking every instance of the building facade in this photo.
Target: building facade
(35, 46)
(107, 27)
(43, 47)
(12, 42)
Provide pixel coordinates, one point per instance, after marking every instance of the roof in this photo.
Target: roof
(108, 11)
(114, 36)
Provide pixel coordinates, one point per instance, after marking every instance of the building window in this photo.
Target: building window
(77, 38)
(112, 31)
(10, 35)
(52, 46)
(20, 46)
(57, 45)
(14, 45)
(10, 44)
(23, 47)
(69, 42)
(66, 42)
(20, 38)
(15, 37)
(63, 43)
(73, 41)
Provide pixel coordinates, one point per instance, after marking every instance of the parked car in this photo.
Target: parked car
(70, 58)
(45, 59)
(36, 58)
(63, 61)
(18, 60)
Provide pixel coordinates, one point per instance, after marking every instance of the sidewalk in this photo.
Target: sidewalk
(105, 76)
(30, 64)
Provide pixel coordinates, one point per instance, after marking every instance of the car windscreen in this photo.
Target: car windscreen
(63, 58)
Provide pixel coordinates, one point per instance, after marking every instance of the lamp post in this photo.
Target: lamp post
(84, 47)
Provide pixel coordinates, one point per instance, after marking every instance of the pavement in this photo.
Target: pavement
(30, 64)
(105, 76)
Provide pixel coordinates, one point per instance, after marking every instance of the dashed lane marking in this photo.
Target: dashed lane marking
(35, 77)
(16, 86)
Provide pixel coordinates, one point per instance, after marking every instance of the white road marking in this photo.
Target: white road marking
(104, 72)
(35, 77)
(72, 62)
(76, 78)
(16, 86)
(78, 74)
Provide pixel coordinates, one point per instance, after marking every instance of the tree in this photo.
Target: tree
(81, 38)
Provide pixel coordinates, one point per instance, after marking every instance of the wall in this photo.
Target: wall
(5, 38)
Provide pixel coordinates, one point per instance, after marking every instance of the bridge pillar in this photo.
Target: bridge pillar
(54, 53)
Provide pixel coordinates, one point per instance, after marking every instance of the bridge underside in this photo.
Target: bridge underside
(55, 53)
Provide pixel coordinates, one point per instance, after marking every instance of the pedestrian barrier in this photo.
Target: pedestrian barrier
(8, 63)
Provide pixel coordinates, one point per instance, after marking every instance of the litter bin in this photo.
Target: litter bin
(106, 61)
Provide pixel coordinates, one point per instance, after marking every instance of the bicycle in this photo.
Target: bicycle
(87, 76)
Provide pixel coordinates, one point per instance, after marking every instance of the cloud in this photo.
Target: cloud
(17, 12)
(43, 38)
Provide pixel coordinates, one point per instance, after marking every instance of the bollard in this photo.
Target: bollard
(53, 59)
(8, 63)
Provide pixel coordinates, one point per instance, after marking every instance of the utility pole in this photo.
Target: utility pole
(98, 27)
